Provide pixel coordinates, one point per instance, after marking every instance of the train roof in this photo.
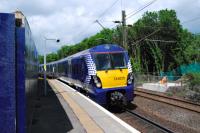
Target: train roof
(104, 48)
(107, 48)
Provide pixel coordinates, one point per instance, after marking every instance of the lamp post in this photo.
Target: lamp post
(45, 67)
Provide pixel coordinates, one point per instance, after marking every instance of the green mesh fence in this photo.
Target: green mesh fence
(182, 70)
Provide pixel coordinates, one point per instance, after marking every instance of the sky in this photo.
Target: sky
(73, 20)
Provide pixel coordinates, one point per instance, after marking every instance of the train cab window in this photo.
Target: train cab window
(118, 60)
(110, 61)
(103, 61)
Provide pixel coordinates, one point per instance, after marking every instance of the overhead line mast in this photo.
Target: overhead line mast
(123, 21)
(124, 33)
(124, 18)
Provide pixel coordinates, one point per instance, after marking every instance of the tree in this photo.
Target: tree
(52, 57)
(148, 38)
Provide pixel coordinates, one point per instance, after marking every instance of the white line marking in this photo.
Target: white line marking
(130, 128)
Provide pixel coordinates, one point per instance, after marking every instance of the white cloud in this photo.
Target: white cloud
(65, 19)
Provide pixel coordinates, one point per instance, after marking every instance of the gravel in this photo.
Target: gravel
(178, 119)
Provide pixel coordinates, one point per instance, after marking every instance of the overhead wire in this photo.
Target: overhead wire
(140, 9)
(156, 27)
(84, 30)
(154, 40)
(191, 20)
(108, 9)
(129, 15)
(154, 32)
(165, 41)
(100, 16)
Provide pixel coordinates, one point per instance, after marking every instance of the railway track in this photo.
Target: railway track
(160, 97)
(139, 121)
(149, 126)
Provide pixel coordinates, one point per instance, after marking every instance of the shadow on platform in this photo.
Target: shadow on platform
(49, 115)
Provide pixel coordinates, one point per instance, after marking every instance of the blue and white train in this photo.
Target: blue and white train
(103, 72)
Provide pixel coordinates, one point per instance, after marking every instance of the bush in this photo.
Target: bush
(193, 80)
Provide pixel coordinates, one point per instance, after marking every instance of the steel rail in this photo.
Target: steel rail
(156, 96)
(164, 129)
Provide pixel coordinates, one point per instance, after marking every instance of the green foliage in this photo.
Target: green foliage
(52, 57)
(192, 51)
(194, 79)
(41, 59)
(156, 56)
(135, 65)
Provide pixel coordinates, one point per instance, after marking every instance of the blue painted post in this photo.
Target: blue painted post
(7, 73)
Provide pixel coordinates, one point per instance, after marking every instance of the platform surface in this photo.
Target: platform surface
(90, 115)
(48, 114)
(159, 87)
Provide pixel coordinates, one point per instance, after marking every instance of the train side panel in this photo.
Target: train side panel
(79, 71)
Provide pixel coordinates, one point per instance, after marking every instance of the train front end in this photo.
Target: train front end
(113, 81)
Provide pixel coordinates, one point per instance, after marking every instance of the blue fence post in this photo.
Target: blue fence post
(7, 74)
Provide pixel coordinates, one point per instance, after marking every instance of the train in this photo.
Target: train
(103, 73)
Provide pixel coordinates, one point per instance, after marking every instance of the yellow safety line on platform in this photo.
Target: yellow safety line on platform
(87, 122)
(40, 78)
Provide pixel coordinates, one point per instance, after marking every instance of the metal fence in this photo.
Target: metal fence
(180, 87)
(141, 78)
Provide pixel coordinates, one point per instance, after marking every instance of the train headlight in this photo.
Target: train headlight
(130, 78)
(98, 85)
(97, 81)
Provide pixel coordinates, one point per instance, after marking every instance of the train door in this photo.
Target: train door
(83, 71)
(53, 68)
(56, 68)
(70, 67)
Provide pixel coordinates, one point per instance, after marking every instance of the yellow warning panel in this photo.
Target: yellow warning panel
(113, 78)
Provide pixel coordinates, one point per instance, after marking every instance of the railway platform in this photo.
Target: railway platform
(84, 114)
